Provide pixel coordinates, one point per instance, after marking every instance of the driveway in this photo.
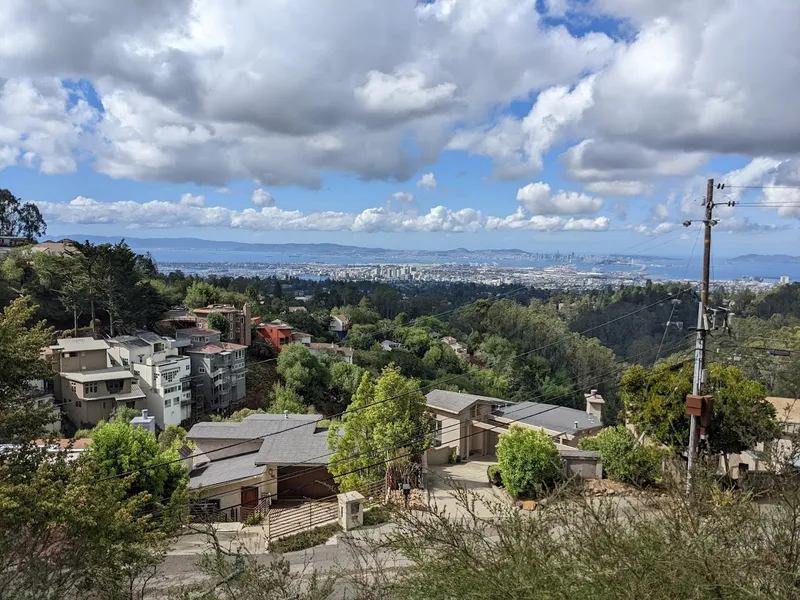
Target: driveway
(470, 475)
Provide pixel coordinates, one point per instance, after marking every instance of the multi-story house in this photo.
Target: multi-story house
(217, 368)
(84, 386)
(238, 321)
(163, 373)
(277, 333)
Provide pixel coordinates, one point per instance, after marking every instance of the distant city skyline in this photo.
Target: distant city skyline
(571, 125)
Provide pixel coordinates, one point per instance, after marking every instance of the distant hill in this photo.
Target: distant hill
(766, 258)
(149, 244)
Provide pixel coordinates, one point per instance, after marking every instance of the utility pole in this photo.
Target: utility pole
(702, 330)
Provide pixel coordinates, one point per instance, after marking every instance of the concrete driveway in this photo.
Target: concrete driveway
(470, 475)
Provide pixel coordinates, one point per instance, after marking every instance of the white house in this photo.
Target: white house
(164, 374)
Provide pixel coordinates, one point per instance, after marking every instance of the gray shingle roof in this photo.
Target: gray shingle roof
(224, 470)
(456, 402)
(252, 427)
(549, 416)
(304, 445)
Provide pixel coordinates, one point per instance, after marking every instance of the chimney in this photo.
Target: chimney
(144, 413)
(576, 426)
(286, 414)
(594, 404)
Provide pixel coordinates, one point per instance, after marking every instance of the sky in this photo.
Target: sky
(569, 125)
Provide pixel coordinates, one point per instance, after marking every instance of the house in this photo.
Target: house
(318, 349)
(53, 248)
(262, 459)
(279, 334)
(787, 413)
(276, 333)
(390, 345)
(468, 424)
(92, 395)
(84, 385)
(217, 369)
(457, 346)
(239, 331)
(300, 337)
(339, 324)
(9, 242)
(163, 373)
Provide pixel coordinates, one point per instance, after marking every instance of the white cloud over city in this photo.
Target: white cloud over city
(210, 92)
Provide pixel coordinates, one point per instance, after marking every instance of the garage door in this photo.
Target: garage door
(305, 482)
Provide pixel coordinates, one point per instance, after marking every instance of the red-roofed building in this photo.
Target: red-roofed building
(277, 333)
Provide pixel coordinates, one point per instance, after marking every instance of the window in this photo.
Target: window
(170, 377)
(78, 404)
(188, 367)
(202, 370)
(115, 386)
(141, 358)
(104, 404)
(67, 355)
(206, 340)
(73, 386)
(437, 433)
(90, 388)
(125, 362)
(167, 402)
(131, 404)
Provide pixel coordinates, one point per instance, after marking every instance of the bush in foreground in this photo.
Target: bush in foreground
(529, 462)
(624, 459)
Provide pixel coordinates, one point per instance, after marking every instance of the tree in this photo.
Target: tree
(303, 372)
(623, 458)
(529, 461)
(18, 219)
(384, 416)
(68, 532)
(219, 322)
(88, 255)
(117, 277)
(202, 294)
(20, 348)
(174, 436)
(119, 448)
(654, 402)
(284, 398)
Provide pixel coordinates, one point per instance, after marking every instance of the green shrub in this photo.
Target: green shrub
(495, 475)
(624, 459)
(377, 515)
(529, 461)
(305, 539)
(253, 519)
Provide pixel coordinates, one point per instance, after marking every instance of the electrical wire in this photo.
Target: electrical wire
(419, 388)
(609, 375)
(402, 445)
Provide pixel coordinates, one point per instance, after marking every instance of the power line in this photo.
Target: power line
(418, 389)
(387, 449)
(607, 376)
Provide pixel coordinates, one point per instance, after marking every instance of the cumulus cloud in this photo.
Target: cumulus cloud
(262, 197)
(189, 200)
(537, 199)
(159, 214)
(402, 197)
(519, 220)
(208, 91)
(619, 188)
(517, 146)
(427, 181)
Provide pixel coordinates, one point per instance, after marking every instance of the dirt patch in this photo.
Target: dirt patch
(607, 487)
